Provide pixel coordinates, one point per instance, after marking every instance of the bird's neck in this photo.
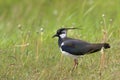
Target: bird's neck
(61, 39)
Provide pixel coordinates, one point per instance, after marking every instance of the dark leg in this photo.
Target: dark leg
(75, 64)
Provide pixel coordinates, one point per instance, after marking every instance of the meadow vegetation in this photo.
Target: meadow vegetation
(28, 51)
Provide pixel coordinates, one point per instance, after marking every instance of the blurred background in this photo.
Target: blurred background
(28, 52)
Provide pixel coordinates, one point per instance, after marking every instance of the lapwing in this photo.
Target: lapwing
(75, 47)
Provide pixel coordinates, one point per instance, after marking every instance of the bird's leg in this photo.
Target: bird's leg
(75, 64)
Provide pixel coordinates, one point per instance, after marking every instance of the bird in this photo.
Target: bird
(75, 47)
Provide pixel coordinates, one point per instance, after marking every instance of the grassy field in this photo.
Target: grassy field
(29, 53)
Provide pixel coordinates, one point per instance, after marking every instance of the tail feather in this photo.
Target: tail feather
(106, 45)
(97, 47)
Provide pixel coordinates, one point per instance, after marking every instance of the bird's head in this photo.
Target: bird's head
(62, 32)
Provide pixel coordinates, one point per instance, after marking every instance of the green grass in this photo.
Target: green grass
(20, 24)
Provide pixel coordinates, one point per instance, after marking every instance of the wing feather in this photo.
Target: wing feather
(77, 47)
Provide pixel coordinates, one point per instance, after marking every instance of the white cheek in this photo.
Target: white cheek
(62, 35)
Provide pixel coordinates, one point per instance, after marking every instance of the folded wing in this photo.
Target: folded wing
(79, 47)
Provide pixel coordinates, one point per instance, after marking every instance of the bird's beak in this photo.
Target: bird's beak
(54, 35)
